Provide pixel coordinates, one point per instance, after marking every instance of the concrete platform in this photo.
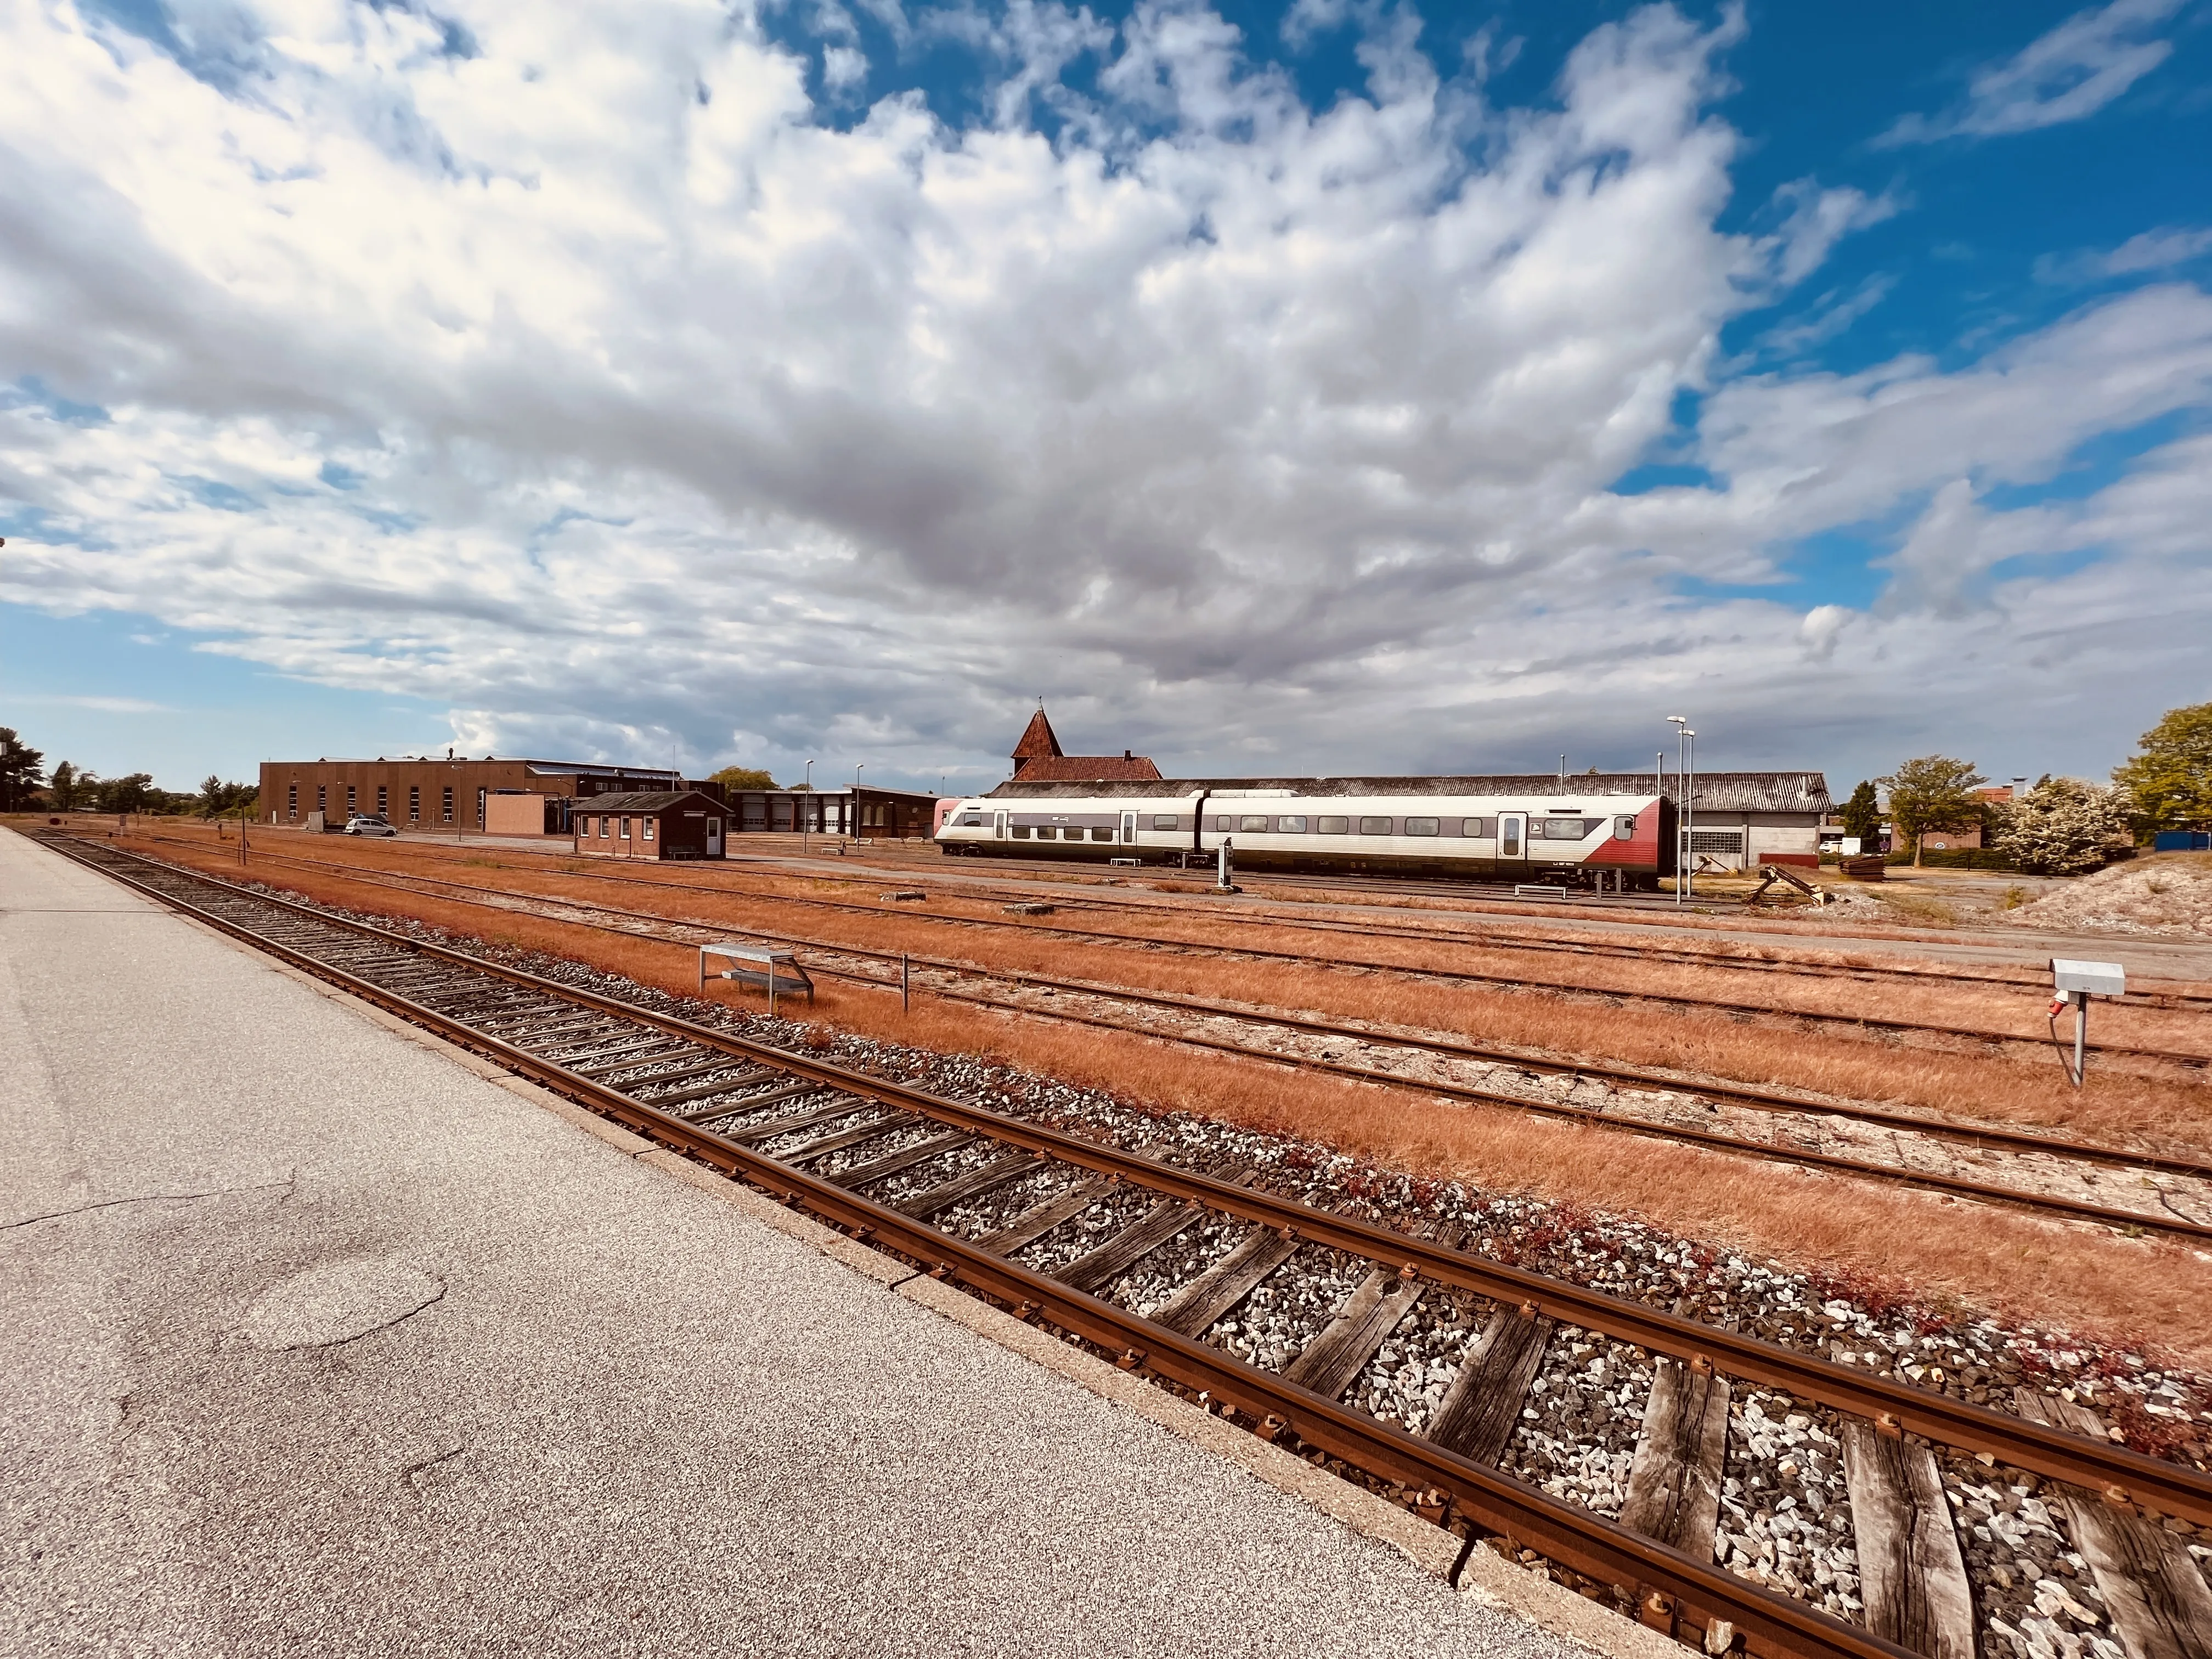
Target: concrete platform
(318, 1340)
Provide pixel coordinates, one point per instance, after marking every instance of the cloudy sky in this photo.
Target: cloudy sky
(1337, 385)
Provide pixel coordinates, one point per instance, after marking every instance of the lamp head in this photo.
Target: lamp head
(1679, 720)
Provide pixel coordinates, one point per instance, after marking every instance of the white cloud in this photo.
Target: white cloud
(2067, 74)
(98, 705)
(2158, 249)
(617, 416)
(843, 67)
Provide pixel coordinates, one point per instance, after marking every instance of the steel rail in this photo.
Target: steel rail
(2123, 1475)
(2012, 1140)
(1720, 1005)
(1770, 1622)
(1991, 975)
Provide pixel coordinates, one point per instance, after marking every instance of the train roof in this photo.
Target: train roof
(1716, 792)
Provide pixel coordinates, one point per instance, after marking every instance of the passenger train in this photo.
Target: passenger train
(1626, 842)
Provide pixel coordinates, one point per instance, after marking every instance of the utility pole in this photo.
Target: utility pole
(1681, 724)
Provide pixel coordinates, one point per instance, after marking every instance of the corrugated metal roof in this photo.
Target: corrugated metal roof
(1716, 792)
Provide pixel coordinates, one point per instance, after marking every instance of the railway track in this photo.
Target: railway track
(1108, 902)
(1733, 1007)
(663, 929)
(988, 1201)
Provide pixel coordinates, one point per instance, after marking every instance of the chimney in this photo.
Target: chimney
(1127, 755)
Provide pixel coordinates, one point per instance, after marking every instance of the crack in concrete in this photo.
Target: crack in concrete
(410, 1473)
(288, 1184)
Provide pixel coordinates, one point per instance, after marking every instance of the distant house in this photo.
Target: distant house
(1038, 759)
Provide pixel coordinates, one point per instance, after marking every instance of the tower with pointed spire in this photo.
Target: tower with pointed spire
(1038, 759)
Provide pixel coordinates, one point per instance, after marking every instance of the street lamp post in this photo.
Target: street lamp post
(805, 819)
(853, 828)
(1682, 816)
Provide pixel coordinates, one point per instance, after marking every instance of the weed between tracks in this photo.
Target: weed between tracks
(1989, 1259)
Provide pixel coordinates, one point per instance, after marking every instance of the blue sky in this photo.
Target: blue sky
(1324, 387)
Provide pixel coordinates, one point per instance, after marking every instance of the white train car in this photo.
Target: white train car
(1625, 841)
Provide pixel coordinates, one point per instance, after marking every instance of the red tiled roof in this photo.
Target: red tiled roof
(1038, 741)
(1084, 768)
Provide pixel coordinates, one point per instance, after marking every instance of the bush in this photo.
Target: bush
(2065, 827)
(1955, 858)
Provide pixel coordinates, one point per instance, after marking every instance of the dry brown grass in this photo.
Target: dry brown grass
(2007, 1264)
(1839, 1063)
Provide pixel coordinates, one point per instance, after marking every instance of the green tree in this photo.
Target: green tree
(735, 778)
(68, 787)
(1932, 793)
(20, 776)
(2065, 827)
(133, 792)
(1862, 815)
(2169, 779)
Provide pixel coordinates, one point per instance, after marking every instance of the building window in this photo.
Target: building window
(481, 793)
(322, 798)
(1724, 842)
(292, 801)
(448, 804)
(625, 829)
(414, 803)
(1374, 826)
(350, 800)
(606, 827)
(1332, 826)
(645, 827)
(382, 792)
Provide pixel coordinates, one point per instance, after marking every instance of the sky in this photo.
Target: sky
(1329, 387)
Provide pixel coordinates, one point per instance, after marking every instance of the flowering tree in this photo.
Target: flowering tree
(2065, 827)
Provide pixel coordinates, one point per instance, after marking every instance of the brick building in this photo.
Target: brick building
(1038, 759)
(420, 793)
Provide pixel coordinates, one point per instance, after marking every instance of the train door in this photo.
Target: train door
(1128, 829)
(999, 826)
(1513, 836)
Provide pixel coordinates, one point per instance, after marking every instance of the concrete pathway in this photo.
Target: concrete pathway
(315, 1341)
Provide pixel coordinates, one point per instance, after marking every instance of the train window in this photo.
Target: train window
(1102, 832)
(1562, 828)
(1421, 826)
(1623, 829)
(1221, 821)
(1166, 821)
(1252, 823)
(1046, 832)
(1334, 826)
(1293, 825)
(971, 820)
(1476, 827)
(1020, 832)
(1374, 826)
